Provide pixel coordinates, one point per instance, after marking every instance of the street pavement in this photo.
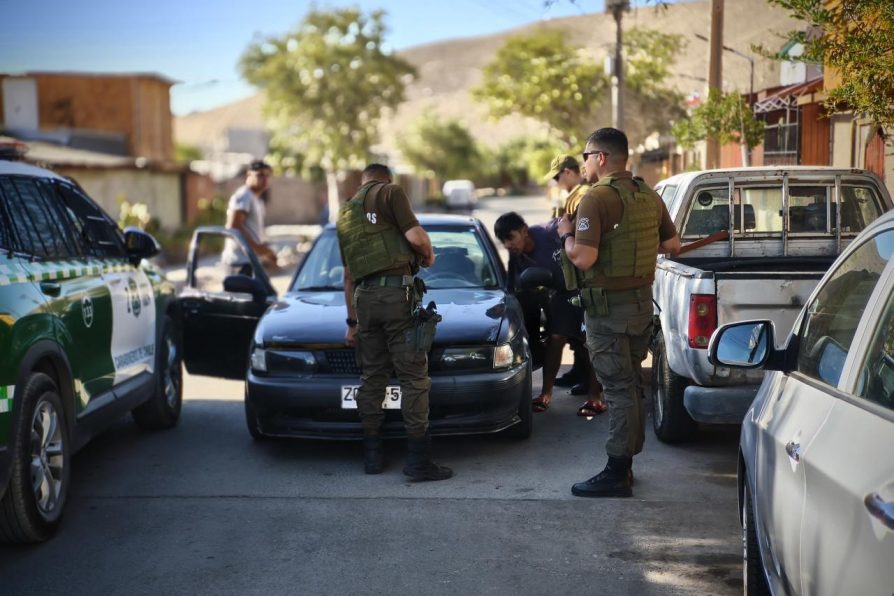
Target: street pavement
(202, 509)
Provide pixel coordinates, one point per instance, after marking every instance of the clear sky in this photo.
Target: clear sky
(198, 44)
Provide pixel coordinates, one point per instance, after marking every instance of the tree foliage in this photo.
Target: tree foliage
(648, 58)
(726, 117)
(545, 78)
(443, 148)
(856, 38)
(542, 77)
(327, 83)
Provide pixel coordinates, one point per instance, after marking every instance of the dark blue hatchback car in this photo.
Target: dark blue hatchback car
(301, 379)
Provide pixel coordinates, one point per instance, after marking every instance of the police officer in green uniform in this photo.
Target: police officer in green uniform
(622, 225)
(383, 246)
(565, 171)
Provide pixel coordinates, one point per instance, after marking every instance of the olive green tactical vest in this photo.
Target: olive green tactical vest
(370, 248)
(629, 250)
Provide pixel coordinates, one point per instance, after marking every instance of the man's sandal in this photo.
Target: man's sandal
(541, 403)
(591, 408)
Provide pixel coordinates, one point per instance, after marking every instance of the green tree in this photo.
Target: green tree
(856, 38)
(724, 116)
(543, 77)
(442, 148)
(327, 83)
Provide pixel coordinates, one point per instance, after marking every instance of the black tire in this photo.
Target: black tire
(29, 514)
(523, 429)
(251, 421)
(752, 564)
(162, 410)
(671, 421)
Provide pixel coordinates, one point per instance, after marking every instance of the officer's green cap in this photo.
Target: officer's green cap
(559, 163)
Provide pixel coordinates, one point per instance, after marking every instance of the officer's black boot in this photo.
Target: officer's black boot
(373, 454)
(613, 481)
(419, 463)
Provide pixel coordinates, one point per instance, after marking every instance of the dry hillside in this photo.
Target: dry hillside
(448, 69)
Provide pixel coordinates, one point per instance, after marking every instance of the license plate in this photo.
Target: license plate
(349, 397)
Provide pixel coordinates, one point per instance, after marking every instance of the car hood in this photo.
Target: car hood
(470, 317)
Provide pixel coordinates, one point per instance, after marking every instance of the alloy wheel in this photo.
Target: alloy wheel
(47, 457)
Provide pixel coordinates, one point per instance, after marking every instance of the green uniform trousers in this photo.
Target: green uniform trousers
(618, 343)
(385, 337)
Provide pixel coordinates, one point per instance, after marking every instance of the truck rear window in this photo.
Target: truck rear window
(758, 209)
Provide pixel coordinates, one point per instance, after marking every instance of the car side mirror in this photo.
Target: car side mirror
(746, 344)
(535, 277)
(244, 284)
(139, 245)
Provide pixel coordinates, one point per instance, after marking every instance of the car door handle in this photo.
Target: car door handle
(50, 288)
(794, 451)
(880, 509)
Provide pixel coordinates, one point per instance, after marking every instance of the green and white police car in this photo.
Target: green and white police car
(87, 334)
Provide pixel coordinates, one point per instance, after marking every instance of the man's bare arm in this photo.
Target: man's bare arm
(421, 243)
(580, 255)
(236, 221)
(671, 246)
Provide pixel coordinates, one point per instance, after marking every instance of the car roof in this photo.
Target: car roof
(23, 169)
(438, 219)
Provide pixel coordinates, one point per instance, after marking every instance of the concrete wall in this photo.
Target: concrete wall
(198, 187)
(159, 191)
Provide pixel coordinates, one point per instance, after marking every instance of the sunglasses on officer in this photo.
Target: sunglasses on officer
(586, 154)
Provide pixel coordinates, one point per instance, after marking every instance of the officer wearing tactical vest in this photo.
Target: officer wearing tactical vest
(382, 247)
(565, 171)
(622, 225)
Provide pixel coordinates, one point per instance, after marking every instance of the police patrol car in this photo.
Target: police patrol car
(86, 335)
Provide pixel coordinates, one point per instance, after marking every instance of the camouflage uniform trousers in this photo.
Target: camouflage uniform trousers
(385, 338)
(618, 343)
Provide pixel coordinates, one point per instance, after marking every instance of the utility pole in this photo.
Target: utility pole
(618, 8)
(746, 159)
(715, 75)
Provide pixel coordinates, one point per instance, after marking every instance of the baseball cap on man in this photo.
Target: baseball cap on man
(559, 163)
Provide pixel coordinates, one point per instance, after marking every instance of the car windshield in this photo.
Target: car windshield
(461, 262)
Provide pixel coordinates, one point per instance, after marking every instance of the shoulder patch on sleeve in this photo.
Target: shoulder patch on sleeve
(583, 224)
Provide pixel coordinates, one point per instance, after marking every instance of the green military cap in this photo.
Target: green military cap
(559, 163)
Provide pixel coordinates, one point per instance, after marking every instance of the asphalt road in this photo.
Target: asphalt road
(202, 509)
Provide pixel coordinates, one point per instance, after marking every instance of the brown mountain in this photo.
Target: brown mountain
(448, 69)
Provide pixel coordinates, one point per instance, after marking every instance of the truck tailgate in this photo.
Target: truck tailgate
(778, 296)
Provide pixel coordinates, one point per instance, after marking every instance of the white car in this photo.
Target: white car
(459, 194)
(816, 460)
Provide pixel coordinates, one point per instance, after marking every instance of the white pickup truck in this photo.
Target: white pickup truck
(756, 242)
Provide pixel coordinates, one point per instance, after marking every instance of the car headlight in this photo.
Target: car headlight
(465, 358)
(259, 360)
(503, 356)
(289, 362)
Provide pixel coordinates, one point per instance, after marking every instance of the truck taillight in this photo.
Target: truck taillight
(702, 319)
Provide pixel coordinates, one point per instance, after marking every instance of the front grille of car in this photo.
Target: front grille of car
(341, 362)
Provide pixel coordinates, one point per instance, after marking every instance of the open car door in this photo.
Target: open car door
(221, 303)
